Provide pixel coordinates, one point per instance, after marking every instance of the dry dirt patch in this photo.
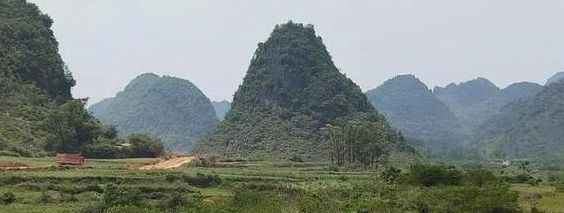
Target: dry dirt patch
(170, 163)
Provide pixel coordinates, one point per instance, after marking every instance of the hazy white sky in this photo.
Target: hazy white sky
(106, 43)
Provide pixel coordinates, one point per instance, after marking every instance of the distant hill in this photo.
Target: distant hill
(291, 91)
(478, 100)
(410, 106)
(535, 128)
(555, 78)
(221, 108)
(171, 108)
(465, 100)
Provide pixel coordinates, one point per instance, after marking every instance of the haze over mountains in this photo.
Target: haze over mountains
(171, 108)
(476, 115)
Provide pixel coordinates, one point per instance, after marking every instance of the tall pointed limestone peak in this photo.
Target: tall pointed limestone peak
(291, 91)
(292, 73)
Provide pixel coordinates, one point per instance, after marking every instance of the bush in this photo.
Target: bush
(296, 158)
(432, 175)
(205, 161)
(480, 177)
(171, 177)
(391, 174)
(8, 198)
(202, 180)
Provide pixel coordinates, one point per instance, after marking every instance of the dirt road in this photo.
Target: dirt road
(169, 164)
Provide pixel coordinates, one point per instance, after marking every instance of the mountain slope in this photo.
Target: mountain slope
(171, 108)
(555, 78)
(537, 127)
(221, 108)
(37, 113)
(291, 91)
(409, 105)
(476, 101)
(505, 109)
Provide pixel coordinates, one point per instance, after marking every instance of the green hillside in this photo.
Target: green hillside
(291, 91)
(476, 101)
(536, 130)
(37, 113)
(173, 109)
(410, 106)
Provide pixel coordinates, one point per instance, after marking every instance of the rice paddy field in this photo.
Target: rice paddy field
(120, 186)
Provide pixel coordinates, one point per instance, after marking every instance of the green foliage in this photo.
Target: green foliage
(71, 128)
(202, 180)
(8, 198)
(28, 50)
(361, 140)
(134, 146)
(172, 109)
(291, 91)
(433, 175)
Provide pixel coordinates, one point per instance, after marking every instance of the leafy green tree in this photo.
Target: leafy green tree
(143, 145)
(433, 175)
(71, 127)
(359, 141)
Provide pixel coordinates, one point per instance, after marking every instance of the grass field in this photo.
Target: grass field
(49, 188)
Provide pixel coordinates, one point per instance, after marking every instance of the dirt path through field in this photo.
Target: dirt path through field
(170, 163)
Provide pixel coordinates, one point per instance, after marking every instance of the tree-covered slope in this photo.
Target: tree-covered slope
(537, 125)
(291, 91)
(465, 100)
(37, 113)
(29, 51)
(410, 106)
(221, 108)
(171, 108)
(476, 101)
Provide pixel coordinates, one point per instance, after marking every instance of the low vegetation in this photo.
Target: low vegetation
(119, 186)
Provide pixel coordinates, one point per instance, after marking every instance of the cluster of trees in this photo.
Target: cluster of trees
(361, 140)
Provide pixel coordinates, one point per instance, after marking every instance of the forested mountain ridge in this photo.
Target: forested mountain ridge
(38, 115)
(410, 106)
(291, 91)
(171, 108)
(536, 127)
(478, 100)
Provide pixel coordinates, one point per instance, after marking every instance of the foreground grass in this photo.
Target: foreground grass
(244, 187)
(545, 198)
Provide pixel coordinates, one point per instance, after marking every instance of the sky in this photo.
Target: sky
(107, 43)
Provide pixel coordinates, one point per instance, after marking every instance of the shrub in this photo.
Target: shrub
(432, 175)
(296, 158)
(171, 177)
(8, 198)
(480, 177)
(391, 174)
(113, 195)
(202, 180)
